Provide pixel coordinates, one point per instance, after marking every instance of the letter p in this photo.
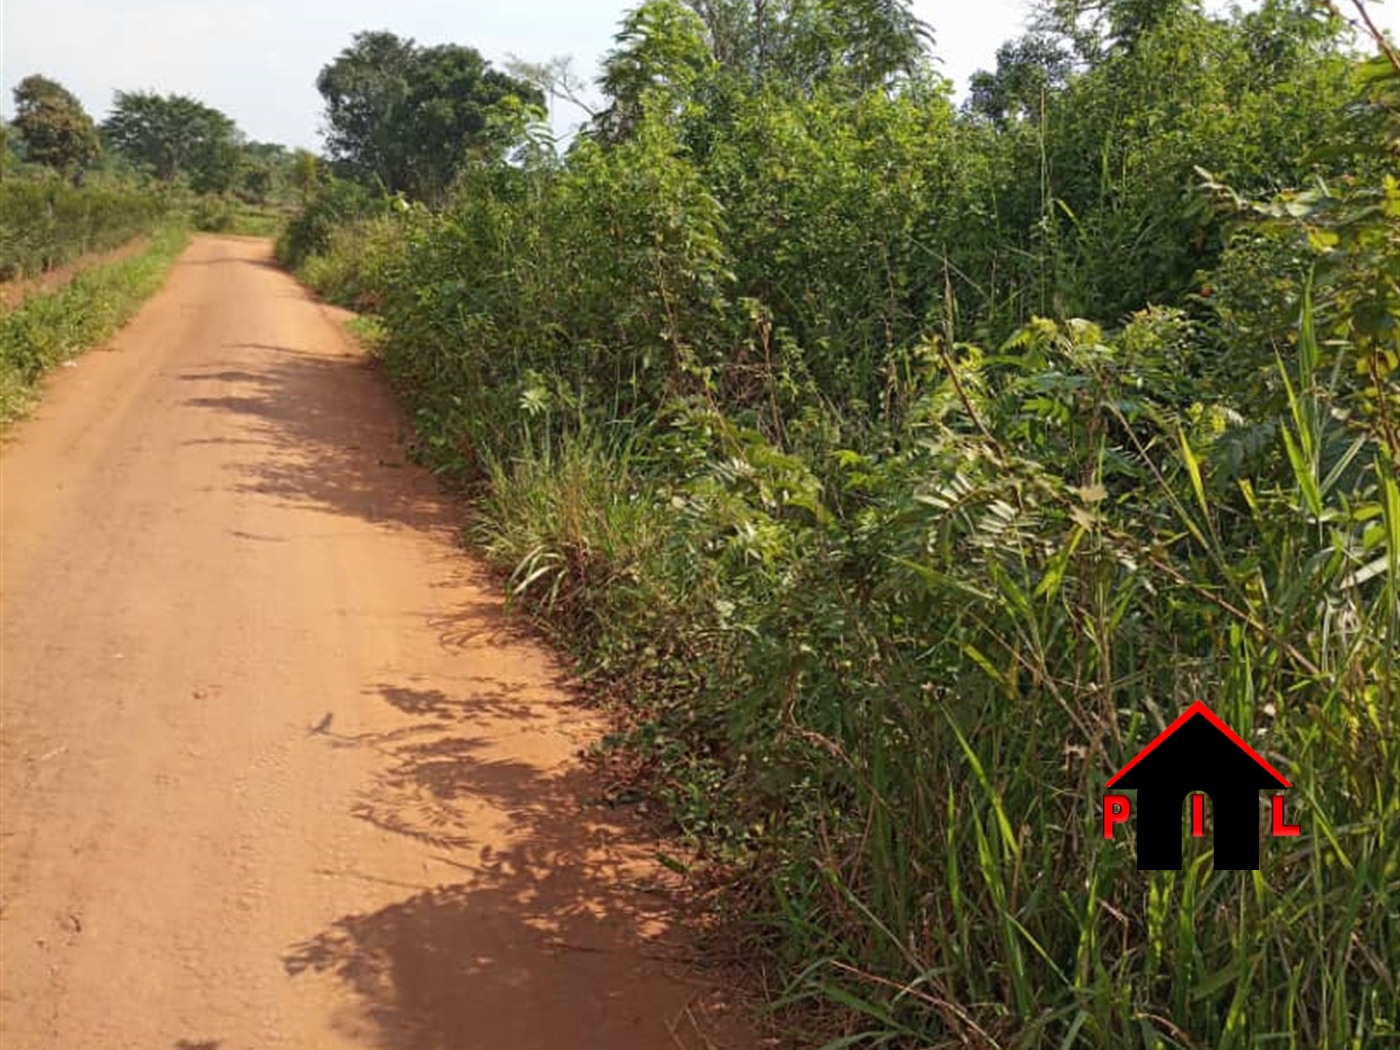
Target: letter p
(1116, 810)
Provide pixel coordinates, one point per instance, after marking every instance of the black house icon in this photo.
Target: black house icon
(1198, 752)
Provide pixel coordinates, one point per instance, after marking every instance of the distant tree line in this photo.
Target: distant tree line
(168, 138)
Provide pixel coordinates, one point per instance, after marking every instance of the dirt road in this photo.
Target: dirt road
(276, 772)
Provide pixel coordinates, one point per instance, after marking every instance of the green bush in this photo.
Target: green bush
(350, 269)
(898, 721)
(45, 222)
(883, 609)
(330, 206)
(51, 327)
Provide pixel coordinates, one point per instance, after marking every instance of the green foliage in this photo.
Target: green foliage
(50, 328)
(232, 216)
(660, 55)
(306, 174)
(350, 271)
(1106, 218)
(330, 206)
(53, 127)
(172, 135)
(883, 606)
(265, 172)
(405, 118)
(1028, 71)
(45, 222)
(866, 44)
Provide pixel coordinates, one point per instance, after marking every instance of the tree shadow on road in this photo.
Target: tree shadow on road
(321, 430)
(332, 432)
(560, 932)
(550, 926)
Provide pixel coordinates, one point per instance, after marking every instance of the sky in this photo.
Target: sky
(258, 61)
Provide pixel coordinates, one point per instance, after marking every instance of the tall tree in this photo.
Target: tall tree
(660, 51)
(1097, 28)
(407, 117)
(53, 127)
(806, 41)
(876, 40)
(172, 135)
(365, 89)
(1027, 70)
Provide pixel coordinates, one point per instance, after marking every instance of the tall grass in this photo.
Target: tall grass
(902, 726)
(1056, 657)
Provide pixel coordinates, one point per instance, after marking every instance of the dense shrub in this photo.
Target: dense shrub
(887, 607)
(348, 272)
(45, 222)
(330, 206)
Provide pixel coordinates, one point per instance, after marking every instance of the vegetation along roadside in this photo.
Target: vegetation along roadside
(903, 467)
(71, 188)
(49, 328)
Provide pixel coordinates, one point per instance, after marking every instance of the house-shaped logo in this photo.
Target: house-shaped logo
(1197, 753)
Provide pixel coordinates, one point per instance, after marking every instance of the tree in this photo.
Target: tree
(876, 41)
(675, 45)
(731, 29)
(172, 135)
(53, 127)
(557, 79)
(305, 174)
(870, 42)
(407, 117)
(1097, 28)
(1027, 70)
(671, 47)
(365, 89)
(661, 51)
(264, 171)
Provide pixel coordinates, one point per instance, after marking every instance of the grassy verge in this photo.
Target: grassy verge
(221, 215)
(890, 733)
(50, 328)
(883, 621)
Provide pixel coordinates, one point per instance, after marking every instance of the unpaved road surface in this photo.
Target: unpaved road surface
(276, 771)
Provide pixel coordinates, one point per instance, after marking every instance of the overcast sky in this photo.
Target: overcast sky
(258, 61)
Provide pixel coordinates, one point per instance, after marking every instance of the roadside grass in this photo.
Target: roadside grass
(49, 328)
(905, 768)
(220, 215)
(879, 688)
